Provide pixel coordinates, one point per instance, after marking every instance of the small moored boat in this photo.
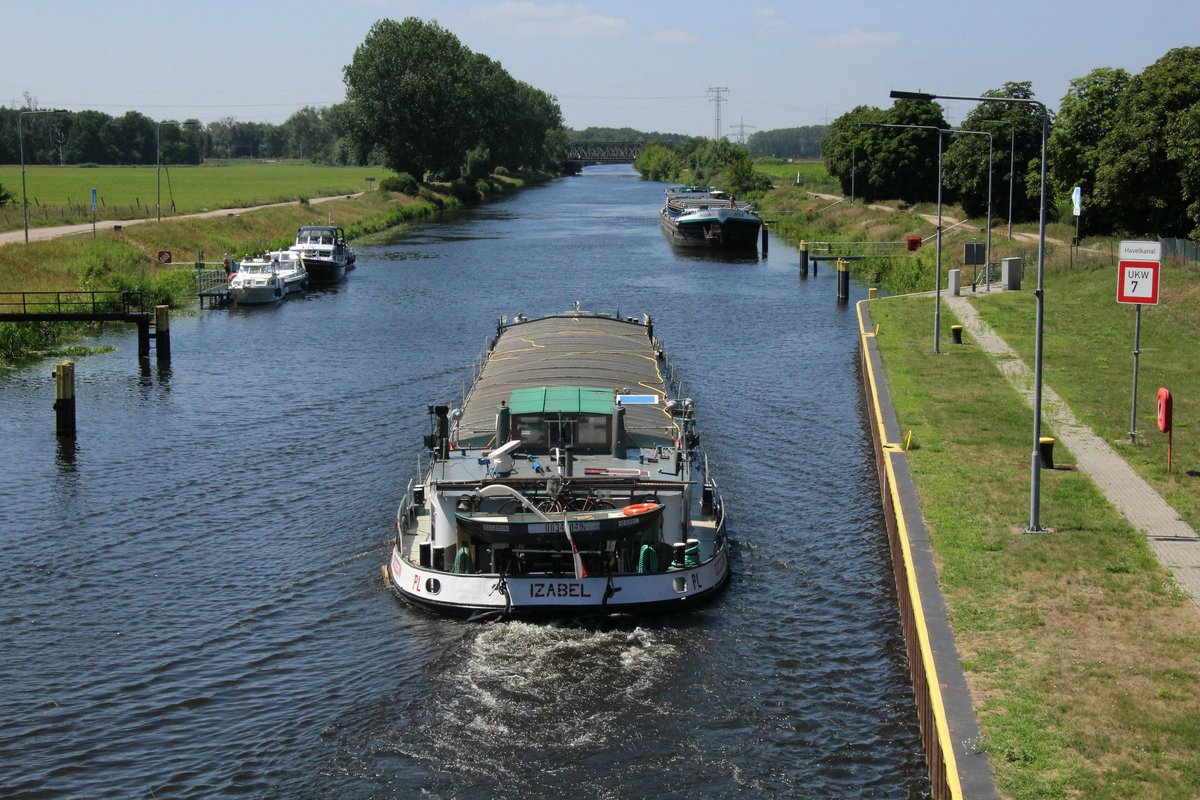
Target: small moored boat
(256, 282)
(570, 483)
(324, 253)
(286, 264)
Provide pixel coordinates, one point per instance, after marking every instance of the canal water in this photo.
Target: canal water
(191, 603)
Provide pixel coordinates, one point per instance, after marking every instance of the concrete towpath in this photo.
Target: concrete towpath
(1172, 540)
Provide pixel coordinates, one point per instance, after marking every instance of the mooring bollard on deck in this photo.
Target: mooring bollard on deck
(64, 399)
(803, 259)
(843, 280)
(162, 334)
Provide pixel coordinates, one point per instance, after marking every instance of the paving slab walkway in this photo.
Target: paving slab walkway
(1174, 541)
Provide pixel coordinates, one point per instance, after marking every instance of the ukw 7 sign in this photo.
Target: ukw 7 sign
(1138, 269)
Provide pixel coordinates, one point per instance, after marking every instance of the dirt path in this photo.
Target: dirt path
(43, 234)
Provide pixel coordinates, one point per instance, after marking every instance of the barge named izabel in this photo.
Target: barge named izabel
(571, 483)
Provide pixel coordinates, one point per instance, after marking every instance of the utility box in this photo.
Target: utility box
(1010, 273)
(955, 276)
(914, 243)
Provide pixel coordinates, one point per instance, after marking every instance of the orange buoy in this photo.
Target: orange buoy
(639, 508)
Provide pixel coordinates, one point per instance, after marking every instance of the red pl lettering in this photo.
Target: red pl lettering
(416, 587)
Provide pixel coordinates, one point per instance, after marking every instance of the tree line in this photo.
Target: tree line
(1131, 143)
(58, 136)
(417, 101)
(804, 142)
(705, 161)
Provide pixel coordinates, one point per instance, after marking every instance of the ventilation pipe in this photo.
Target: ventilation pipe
(503, 422)
(618, 439)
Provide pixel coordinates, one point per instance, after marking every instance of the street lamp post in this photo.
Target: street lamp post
(158, 169)
(1012, 164)
(937, 280)
(1012, 161)
(987, 270)
(1035, 480)
(853, 168)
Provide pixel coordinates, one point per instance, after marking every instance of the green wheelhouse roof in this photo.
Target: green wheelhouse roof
(561, 400)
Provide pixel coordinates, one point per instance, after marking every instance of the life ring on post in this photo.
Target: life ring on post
(639, 508)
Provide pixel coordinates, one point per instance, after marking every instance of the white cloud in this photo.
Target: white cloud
(674, 37)
(764, 12)
(777, 26)
(527, 18)
(857, 38)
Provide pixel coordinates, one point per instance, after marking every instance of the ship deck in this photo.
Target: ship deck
(572, 350)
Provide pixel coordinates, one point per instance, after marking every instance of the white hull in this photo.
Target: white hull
(542, 596)
(256, 295)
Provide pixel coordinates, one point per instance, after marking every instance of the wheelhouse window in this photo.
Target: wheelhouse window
(541, 433)
(593, 431)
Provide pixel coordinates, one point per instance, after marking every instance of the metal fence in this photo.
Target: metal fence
(1184, 249)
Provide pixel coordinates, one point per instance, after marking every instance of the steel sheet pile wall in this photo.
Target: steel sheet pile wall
(949, 729)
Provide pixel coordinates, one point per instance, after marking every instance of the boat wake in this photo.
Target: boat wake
(542, 690)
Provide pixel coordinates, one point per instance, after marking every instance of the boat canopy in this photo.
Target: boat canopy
(561, 400)
(546, 417)
(318, 234)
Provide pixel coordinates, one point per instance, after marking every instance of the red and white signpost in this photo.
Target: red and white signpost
(1138, 268)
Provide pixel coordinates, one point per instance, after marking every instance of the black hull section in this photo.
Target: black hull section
(324, 273)
(734, 235)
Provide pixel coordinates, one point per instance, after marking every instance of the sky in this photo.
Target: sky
(648, 65)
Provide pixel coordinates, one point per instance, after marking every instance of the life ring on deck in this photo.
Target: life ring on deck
(639, 508)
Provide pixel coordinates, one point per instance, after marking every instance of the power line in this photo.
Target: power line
(741, 129)
(715, 96)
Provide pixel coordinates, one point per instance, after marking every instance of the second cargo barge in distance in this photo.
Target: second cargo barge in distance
(697, 216)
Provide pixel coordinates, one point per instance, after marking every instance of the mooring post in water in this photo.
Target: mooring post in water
(803, 259)
(64, 399)
(843, 280)
(162, 334)
(143, 323)
(764, 238)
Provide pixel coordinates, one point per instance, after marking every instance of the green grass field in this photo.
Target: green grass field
(1081, 654)
(812, 173)
(62, 195)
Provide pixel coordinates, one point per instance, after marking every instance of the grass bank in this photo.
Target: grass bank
(126, 259)
(816, 211)
(62, 195)
(1081, 654)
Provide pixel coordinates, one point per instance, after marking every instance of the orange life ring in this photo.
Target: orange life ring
(639, 508)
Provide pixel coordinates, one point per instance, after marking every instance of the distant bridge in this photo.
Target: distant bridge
(603, 152)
